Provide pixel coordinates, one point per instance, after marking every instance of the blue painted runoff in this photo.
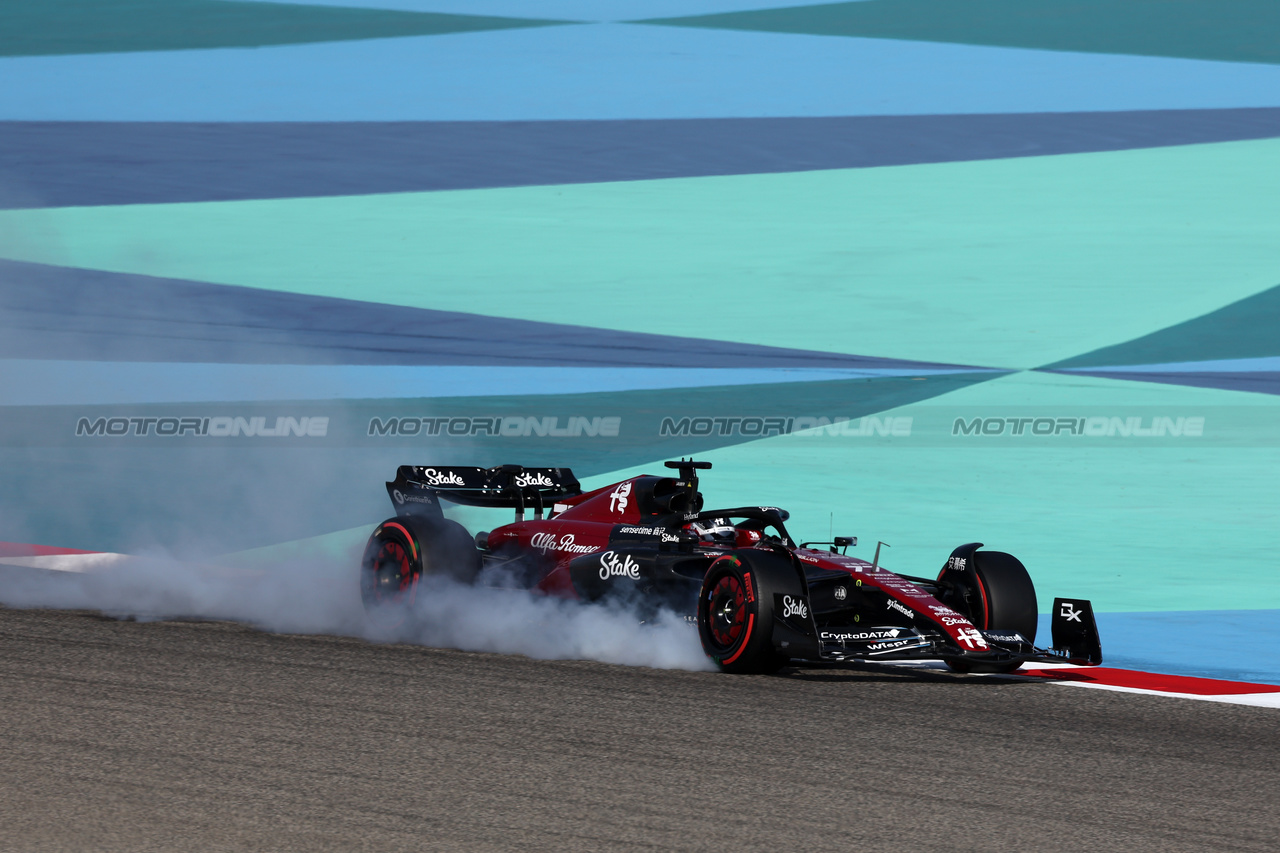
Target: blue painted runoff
(1235, 645)
(613, 71)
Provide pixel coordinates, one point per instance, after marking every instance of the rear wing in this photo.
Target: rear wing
(418, 489)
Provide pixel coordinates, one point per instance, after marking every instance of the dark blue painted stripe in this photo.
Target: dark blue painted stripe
(93, 163)
(49, 312)
(1260, 364)
(1259, 382)
(1244, 329)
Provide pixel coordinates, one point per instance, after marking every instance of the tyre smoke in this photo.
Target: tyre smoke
(517, 622)
(171, 507)
(320, 595)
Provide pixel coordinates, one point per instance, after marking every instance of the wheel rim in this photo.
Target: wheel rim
(390, 573)
(726, 611)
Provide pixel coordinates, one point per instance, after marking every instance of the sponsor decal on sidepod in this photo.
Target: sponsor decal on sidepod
(611, 565)
(545, 542)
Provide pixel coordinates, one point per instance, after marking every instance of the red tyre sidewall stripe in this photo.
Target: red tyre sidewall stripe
(751, 617)
(986, 608)
(751, 620)
(413, 546)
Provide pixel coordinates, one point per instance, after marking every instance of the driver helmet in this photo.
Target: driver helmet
(715, 530)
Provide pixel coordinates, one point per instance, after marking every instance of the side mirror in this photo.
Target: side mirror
(837, 542)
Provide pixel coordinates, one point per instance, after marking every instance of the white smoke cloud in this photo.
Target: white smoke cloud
(321, 595)
(516, 622)
(130, 498)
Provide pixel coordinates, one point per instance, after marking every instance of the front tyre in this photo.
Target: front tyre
(995, 594)
(735, 612)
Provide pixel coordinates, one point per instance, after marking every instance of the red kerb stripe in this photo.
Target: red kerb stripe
(1153, 681)
(14, 549)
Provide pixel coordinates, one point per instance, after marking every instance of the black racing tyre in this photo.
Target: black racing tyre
(448, 549)
(996, 594)
(735, 611)
(401, 550)
(390, 571)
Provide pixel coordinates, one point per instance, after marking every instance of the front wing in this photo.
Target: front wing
(1075, 641)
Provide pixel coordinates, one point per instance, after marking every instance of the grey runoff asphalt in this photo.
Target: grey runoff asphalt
(213, 736)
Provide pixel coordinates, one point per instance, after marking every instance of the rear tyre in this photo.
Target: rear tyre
(735, 611)
(996, 594)
(448, 550)
(390, 571)
(400, 551)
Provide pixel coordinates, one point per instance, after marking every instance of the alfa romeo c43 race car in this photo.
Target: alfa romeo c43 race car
(760, 599)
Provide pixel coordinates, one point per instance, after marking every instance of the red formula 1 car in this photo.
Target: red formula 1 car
(760, 600)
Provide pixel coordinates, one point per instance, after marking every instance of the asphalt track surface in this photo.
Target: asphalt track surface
(212, 736)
